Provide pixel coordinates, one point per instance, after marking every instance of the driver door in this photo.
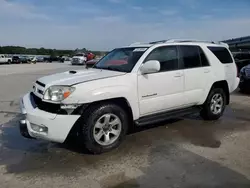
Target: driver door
(163, 90)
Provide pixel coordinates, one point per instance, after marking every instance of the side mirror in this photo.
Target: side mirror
(151, 66)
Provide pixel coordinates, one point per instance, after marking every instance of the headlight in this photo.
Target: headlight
(58, 93)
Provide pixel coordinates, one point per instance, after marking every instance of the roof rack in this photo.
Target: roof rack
(138, 43)
(185, 40)
(180, 41)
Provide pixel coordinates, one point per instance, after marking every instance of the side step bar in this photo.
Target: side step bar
(159, 117)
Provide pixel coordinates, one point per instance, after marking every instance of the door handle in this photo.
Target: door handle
(177, 75)
(206, 70)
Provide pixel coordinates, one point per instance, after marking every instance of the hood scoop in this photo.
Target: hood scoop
(72, 72)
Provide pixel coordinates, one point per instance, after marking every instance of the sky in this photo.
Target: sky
(106, 24)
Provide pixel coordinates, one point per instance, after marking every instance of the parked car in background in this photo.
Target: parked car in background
(16, 59)
(61, 59)
(241, 59)
(54, 58)
(23, 59)
(4, 59)
(39, 59)
(28, 58)
(244, 84)
(79, 59)
(33, 59)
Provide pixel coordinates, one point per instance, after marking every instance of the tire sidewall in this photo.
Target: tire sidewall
(91, 118)
(208, 103)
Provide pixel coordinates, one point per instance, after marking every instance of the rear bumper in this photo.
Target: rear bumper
(53, 127)
(236, 84)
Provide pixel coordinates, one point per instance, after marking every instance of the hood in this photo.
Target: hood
(77, 76)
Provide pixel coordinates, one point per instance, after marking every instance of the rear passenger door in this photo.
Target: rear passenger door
(197, 73)
(225, 58)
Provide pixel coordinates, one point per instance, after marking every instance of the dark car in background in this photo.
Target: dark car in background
(244, 84)
(242, 59)
(16, 59)
(19, 59)
(39, 59)
(54, 58)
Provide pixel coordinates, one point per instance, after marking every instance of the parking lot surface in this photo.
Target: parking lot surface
(179, 153)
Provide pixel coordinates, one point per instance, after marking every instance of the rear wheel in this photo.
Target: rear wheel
(9, 62)
(215, 105)
(103, 127)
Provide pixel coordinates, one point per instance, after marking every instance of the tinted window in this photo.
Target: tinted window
(222, 54)
(190, 56)
(167, 56)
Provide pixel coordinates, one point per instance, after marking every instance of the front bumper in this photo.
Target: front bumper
(57, 126)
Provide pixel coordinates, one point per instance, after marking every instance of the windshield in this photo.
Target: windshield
(121, 59)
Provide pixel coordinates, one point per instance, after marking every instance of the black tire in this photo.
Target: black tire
(88, 120)
(9, 62)
(206, 112)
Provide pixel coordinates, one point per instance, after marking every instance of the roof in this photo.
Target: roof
(177, 41)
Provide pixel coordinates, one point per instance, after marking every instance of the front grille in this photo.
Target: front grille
(76, 60)
(46, 106)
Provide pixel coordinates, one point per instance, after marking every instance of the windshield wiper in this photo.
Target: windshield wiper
(113, 68)
(108, 68)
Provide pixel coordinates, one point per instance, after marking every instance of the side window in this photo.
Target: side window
(190, 56)
(222, 54)
(167, 56)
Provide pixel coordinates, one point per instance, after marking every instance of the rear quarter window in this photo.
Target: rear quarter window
(222, 54)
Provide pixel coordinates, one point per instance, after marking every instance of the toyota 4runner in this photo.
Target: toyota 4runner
(136, 85)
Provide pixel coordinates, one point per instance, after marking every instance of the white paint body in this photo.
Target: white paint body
(164, 90)
(4, 59)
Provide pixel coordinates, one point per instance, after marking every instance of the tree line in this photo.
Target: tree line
(43, 51)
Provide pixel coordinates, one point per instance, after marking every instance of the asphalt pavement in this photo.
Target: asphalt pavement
(181, 153)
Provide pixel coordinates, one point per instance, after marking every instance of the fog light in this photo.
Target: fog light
(23, 121)
(38, 128)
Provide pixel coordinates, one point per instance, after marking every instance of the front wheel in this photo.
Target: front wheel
(103, 127)
(215, 105)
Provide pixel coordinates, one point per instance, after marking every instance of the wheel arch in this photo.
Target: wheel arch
(120, 101)
(224, 85)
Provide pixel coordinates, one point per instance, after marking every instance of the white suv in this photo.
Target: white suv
(135, 85)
